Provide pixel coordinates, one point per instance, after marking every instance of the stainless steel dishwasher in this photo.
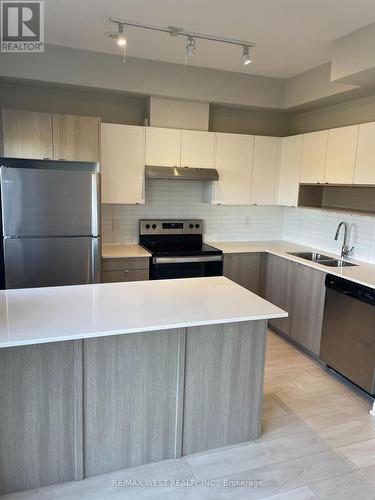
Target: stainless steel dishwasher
(348, 335)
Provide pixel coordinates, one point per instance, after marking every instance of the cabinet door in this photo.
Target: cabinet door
(122, 163)
(279, 288)
(364, 172)
(341, 152)
(75, 138)
(197, 149)
(314, 154)
(233, 160)
(290, 164)
(163, 147)
(244, 269)
(264, 176)
(26, 134)
(308, 306)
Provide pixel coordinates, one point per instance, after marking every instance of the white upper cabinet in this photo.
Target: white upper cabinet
(163, 147)
(314, 154)
(122, 163)
(233, 160)
(265, 171)
(290, 166)
(197, 148)
(341, 153)
(364, 172)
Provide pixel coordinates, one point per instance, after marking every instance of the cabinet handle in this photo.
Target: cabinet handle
(46, 158)
(126, 270)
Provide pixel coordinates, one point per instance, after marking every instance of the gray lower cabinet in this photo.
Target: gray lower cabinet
(244, 269)
(223, 385)
(125, 269)
(308, 307)
(40, 415)
(133, 390)
(279, 283)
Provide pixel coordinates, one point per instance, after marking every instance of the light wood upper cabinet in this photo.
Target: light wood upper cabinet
(122, 163)
(265, 171)
(197, 149)
(289, 175)
(341, 154)
(163, 147)
(26, 134)
(364, 171)
(75, 138)
(233, 160)
(314, 154)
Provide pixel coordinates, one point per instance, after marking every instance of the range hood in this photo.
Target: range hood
(182, 173)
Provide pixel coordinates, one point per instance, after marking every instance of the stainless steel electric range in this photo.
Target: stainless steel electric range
(178, 250)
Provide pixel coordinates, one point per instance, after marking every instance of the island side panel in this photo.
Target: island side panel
(224, 374)
(133, 395)
(40, 415)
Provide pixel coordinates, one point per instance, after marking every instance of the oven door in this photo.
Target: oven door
(186, 267)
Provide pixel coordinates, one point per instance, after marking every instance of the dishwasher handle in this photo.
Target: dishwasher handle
(351, 289)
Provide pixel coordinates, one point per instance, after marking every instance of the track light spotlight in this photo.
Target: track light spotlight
(120, 36)
(190, 46)
(246, 59)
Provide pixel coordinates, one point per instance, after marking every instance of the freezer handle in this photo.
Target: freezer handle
(96, 261)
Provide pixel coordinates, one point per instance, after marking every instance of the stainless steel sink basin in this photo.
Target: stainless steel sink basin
(337, 263)
(324, 260)
(313, 256)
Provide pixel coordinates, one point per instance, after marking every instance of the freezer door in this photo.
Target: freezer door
(35, 262)
(39, 202)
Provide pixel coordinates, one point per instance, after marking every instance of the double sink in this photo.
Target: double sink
(324, 260)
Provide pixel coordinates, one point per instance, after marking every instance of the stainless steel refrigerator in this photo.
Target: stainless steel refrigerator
(50, 223)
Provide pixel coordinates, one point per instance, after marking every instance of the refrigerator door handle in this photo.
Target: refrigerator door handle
(96, 261)
(95, 204)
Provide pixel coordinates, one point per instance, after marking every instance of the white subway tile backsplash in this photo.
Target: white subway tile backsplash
(183, 199)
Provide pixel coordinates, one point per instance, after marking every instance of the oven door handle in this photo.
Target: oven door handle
(183, 260)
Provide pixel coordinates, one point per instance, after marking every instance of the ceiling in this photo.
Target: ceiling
(292, 36)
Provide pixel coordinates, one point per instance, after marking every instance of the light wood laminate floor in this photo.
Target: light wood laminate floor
(318, 441)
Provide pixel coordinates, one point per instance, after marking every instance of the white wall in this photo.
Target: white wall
(182, 199)
(176, 113)
(317, 228)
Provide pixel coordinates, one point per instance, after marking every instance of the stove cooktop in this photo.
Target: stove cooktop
(180, 249)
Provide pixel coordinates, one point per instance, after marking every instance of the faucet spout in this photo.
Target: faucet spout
(345, 249)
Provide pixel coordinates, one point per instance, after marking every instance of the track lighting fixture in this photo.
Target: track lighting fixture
(190, 46)
(246, 59)
(174, 31)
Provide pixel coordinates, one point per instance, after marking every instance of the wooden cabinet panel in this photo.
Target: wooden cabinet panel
(264, 175)
(75, 138)
(244, 269)
(125, 263)
(125, 275)
(223, 385)
(364, 171)
(132, 399)
(26, 134)
(314, 157)
(233, 160)
(290, 165)
(197, 149)
(308, 307)
(279, 288)
(163, 147)
(341, 153)
(40, 415)
(122, 163)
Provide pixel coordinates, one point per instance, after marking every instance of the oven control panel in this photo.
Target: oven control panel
(170, 226)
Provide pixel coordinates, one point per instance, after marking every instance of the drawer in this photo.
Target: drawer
(125, 275)
(128, 263)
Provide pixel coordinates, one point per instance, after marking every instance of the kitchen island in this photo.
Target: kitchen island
(97, 378)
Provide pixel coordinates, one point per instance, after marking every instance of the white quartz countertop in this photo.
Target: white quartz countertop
(117, 251)
(40, 315)
(363, 273)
